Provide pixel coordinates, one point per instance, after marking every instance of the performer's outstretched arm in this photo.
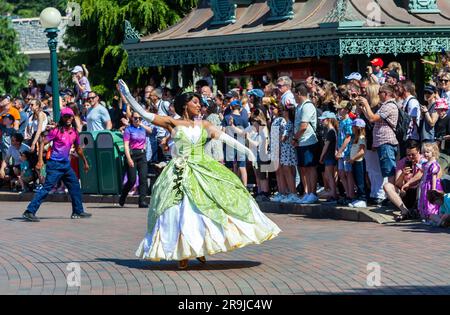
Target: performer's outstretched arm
(217, 134)
(161, 121)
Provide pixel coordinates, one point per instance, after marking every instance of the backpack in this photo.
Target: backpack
(403, 123)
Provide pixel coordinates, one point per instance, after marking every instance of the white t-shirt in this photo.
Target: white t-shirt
(306, 113)
(355, 148)
(412, 106)
(14, 153)
(288, 99)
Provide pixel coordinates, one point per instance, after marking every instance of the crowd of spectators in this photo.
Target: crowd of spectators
(370, 141)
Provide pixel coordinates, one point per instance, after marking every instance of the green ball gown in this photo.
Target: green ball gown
(199, 207)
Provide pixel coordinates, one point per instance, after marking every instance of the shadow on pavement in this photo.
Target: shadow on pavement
(417, 227)
(173, 265)
(396, 290)
(20, 219)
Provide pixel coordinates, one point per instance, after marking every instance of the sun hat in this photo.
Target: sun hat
(327, 115)
(344, 104)
(77, 69)
(354, 76)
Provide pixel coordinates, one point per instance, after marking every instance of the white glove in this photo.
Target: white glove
(238, 146)
(132, 102)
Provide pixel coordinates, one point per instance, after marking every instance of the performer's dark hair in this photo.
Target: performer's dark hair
(182, 100)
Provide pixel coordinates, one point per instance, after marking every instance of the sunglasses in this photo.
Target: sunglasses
(137, 118)
(280, 85)
(92, 97)
(443, 81)
(67, 116)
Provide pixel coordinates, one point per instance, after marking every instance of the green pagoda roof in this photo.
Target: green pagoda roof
(224, 31)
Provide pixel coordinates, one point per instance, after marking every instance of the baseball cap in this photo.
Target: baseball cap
(77, 69)
(236, 103)
(354, 76)
(327, 115)
(67, 92)
(231, 94)
(377, 62)
(9, 116)
(344, 104)
(431, 89)
(393, 74)
(358, 122)
(67, 111)
(256, 92)
(441, 104)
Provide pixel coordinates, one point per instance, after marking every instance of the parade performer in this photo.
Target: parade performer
(64, 136)
(198, 206)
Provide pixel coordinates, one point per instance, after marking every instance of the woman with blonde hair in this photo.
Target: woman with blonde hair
(396, 66)
(377, 194)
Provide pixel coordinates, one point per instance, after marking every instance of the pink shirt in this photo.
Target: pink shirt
(62, 143)
(416, 168)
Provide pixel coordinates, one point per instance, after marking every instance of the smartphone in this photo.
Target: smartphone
(409, 164)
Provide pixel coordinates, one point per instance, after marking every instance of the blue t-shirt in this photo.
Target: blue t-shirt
(97, 117)
(23, 122)
(238, 120)
(6, 134)
(152, 142)
(345, 129)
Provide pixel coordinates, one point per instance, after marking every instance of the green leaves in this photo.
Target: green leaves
(98, 41)
(12, 62)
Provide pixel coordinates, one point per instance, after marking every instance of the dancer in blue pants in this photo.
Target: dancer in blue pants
(58, 167)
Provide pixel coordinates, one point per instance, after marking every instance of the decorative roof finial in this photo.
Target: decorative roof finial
(224, 12)
(342, 12)
(423, 6)
(281, 10)
(132, 36)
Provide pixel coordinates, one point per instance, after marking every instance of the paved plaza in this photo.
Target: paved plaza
(311, 256)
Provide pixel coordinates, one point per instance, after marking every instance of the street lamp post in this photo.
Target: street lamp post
(50, 19)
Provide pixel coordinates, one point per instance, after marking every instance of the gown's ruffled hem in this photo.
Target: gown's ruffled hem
(201, 236)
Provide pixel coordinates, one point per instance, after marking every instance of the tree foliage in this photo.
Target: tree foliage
(33, 8)
(12, 62)
(97, 42)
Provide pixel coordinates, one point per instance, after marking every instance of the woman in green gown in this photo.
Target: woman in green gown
(198, 207)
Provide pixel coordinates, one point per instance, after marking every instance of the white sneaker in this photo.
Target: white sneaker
(292, 198)
(310, 199)
(359, 204)
(320, 189)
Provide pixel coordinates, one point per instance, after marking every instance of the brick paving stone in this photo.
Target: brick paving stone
(311, 256)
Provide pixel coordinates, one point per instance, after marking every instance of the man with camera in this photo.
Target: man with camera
(403, 193)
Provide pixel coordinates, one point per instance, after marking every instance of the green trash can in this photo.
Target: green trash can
(110, 152)
(89, 180)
